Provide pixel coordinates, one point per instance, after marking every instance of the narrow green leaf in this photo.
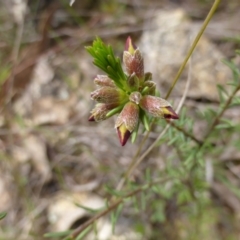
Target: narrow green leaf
(155, 189)
(223, 126)
(135, 203)
(115, 110)
(57, 234)
(84, 233)
(95, 229)
(231, 65)
(115, 216)
(111, 61)
(184, 196)
(235, 70)
(134, 134)
(3, 215)
(234, 84)
(113, 192)
(189, 161)
(222, 92)
(143, 201)
(90, 210)
(148, 175)
(146, 122)
(173, 140)
(145, 90)
(68, 238)
(235, 102)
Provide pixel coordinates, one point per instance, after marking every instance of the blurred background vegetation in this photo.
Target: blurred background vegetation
(57, 169)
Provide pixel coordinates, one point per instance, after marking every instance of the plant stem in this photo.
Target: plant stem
(187, 134)
(214, 124)
(200, 33)
(218, 117)
(116, 203)
(133, 162)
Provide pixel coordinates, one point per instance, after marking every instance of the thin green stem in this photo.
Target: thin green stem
(200, 33)
(134, 160)
(214, 124)
(218, 117)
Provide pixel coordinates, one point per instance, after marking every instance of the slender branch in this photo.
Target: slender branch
(114, 205)
(187, 134)
(15, 54)
(150, 148)
(214, 124)
(200, 33)
(133, 162)
(218, 117)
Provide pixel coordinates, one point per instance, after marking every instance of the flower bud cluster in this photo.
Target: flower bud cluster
(137, 95)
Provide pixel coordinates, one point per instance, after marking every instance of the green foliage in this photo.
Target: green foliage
(84, 233)
(4, 73)
(115, 215)
(3, 215)
(104, 59)
(57, 234)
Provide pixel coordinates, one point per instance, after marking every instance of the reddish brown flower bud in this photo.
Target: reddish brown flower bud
(104, 81)
(157, 107)
(127, 121)
(133, 60)
(108, 95)
(134, 63)
(100, 111)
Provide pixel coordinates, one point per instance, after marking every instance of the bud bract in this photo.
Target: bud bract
(99, 113)
(127, 121)
(108, 95)
(104, 81)
(134, 63)
(157, 107)
(133, 60)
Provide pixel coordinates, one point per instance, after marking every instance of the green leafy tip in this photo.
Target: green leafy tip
(104, 59)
